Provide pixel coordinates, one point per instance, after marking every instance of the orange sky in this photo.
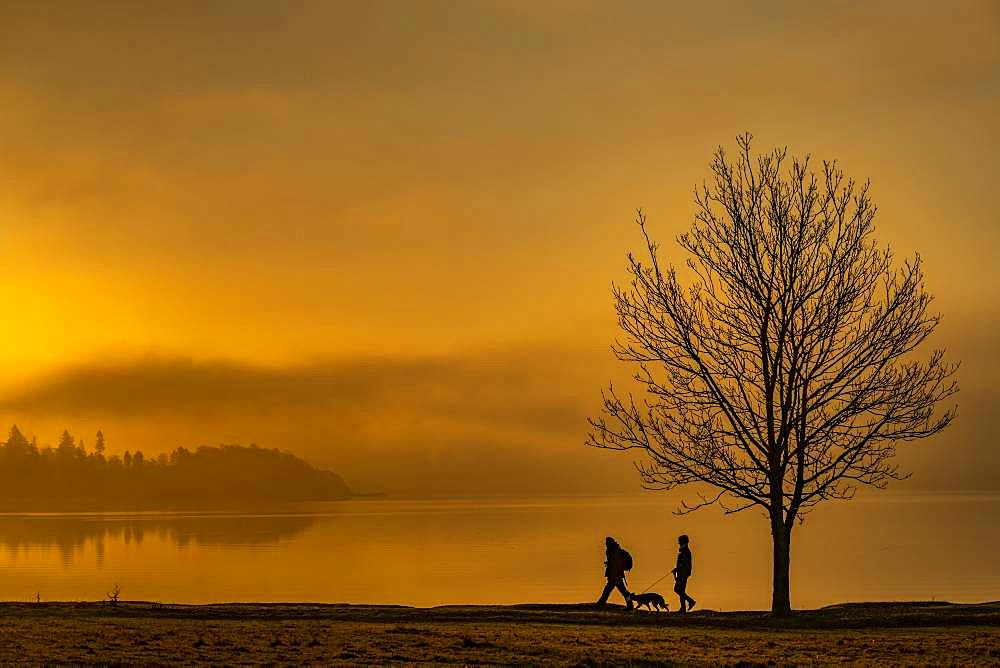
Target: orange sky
(397, 223)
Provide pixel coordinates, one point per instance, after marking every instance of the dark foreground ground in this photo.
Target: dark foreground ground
(870, 634)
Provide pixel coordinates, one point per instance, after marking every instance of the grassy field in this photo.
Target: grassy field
(871, 634)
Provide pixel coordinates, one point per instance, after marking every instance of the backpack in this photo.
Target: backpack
(626, 559)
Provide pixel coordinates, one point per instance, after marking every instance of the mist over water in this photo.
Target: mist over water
(881, 547)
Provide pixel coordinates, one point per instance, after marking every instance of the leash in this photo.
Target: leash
(654, 584)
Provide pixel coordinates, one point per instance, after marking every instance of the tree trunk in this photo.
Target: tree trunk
(781, 536)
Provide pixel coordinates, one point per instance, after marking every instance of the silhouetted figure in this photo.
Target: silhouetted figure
(681, 574)
(616, 562)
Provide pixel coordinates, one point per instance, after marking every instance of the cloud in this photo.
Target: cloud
(492, 389)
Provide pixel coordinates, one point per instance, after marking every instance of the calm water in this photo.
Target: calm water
(435, 552)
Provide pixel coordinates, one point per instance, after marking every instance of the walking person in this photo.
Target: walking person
(682, 572)
(616, 562)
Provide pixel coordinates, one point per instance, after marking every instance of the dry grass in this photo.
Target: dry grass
(93, 634)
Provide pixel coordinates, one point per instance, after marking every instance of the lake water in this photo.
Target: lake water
(883, 547)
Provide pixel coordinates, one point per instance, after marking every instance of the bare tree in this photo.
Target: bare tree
(783, 376)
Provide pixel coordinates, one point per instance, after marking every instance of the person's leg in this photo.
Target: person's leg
(690, 600)
(620, 585)
(607, 592)
(679, 588)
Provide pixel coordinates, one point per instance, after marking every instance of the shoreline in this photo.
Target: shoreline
(868, 615)
(886, 634)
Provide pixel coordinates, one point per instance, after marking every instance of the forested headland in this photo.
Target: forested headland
(71, 478)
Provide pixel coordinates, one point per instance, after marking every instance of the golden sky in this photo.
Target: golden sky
(382, 234)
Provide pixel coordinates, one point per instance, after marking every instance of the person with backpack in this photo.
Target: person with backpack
(617, 561)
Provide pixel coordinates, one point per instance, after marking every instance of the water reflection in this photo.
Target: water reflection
(71, 535)
(502, 551)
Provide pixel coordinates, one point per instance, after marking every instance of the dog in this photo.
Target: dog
(651, 600)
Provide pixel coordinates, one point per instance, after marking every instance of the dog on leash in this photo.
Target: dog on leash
(650, 599)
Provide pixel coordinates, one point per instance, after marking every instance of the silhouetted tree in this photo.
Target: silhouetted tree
(127, 459)
(16, 439)
(99, 443)
(783, 376)
(137, 459)
(67, 444)
(179, 455)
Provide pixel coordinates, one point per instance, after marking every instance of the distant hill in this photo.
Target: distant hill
(67, 478)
